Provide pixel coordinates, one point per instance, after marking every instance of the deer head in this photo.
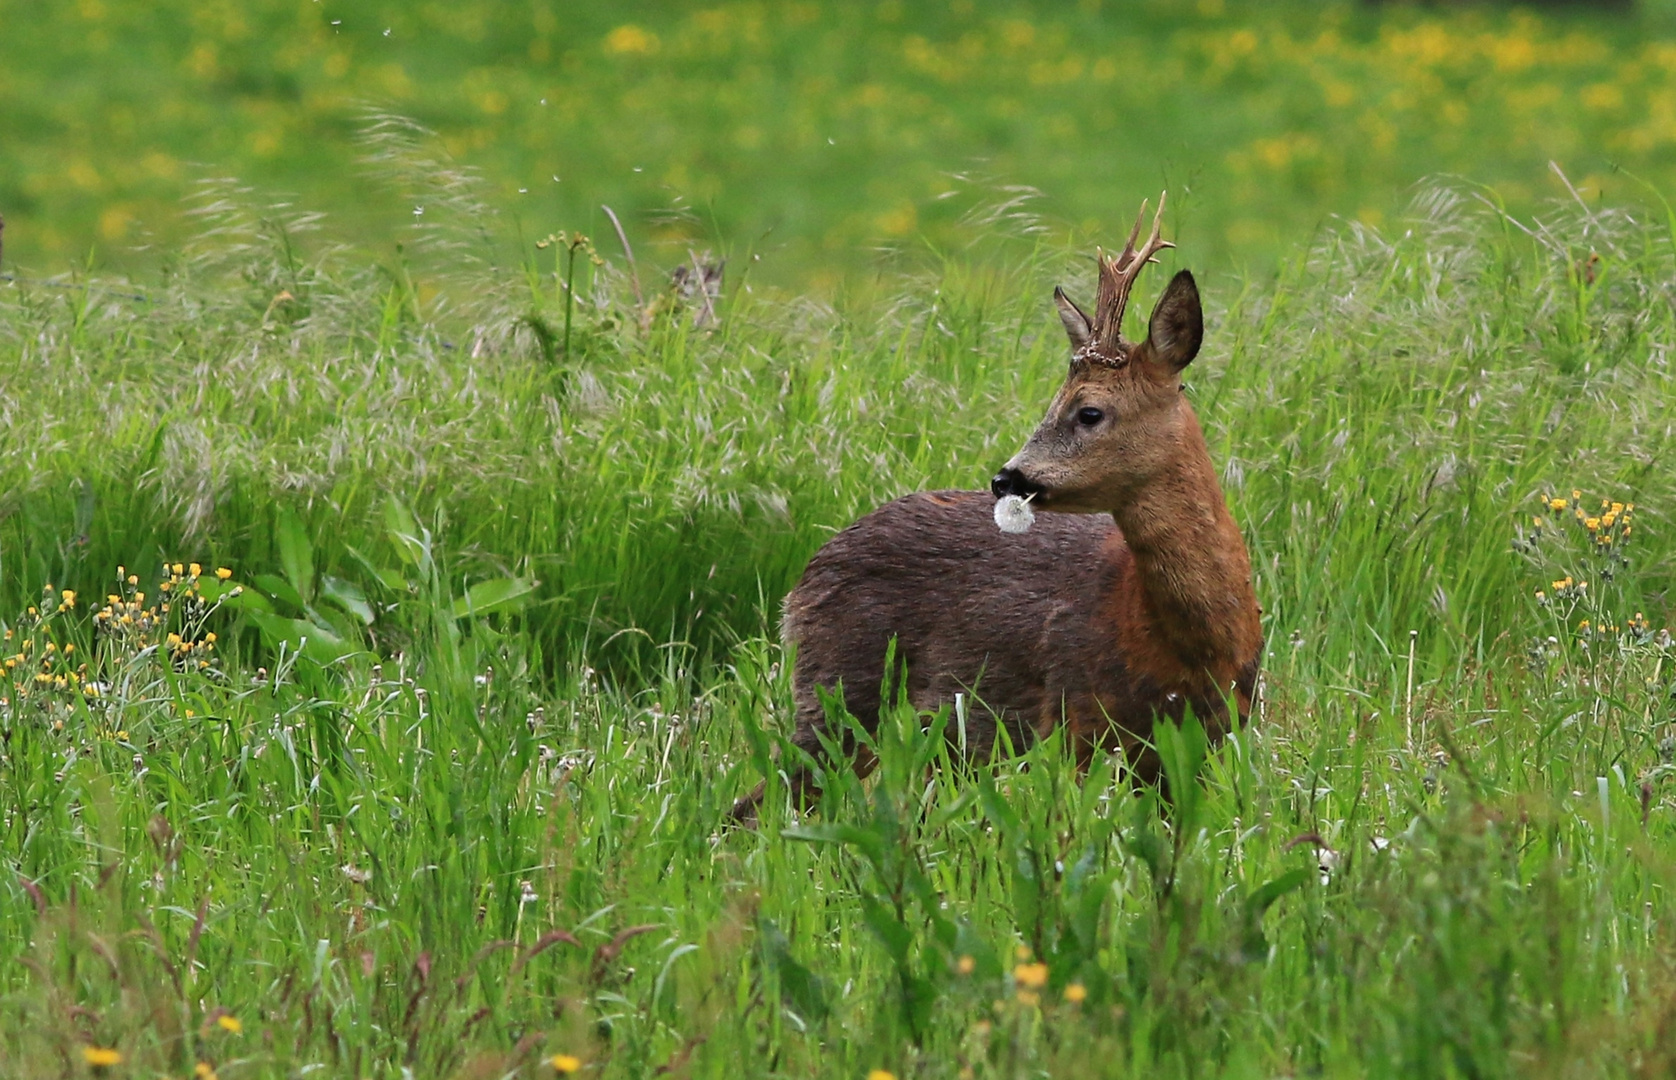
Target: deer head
(1117, 421)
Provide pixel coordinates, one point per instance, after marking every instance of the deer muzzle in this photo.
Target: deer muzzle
(1012, 481)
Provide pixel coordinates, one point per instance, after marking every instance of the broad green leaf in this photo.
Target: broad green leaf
(869, 844)
(412, 542)
(248, 599)
(500, 594)
(279, 589)
(384, 575)
(1255, 945)
(348, 597)
(312, 640)
(296, 553)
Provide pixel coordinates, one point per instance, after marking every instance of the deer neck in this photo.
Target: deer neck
(1190, 563)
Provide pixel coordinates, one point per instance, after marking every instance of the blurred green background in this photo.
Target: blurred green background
(819, 133)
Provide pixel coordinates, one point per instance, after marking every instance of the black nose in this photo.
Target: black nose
(1013, 482)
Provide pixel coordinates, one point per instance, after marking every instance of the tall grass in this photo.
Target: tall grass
(416, 814)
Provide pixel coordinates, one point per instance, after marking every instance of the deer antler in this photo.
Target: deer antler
(1117, 277)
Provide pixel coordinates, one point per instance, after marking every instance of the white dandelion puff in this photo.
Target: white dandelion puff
(1013, 514)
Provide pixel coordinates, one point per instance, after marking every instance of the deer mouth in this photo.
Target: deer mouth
(1011, 481)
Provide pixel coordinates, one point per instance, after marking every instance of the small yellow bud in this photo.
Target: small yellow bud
(966, 965)
(1033, 976)
(222, 573)
(228, 1023)
(101, 1057)
(1076, 993)
(195, 569)
(565, 1063)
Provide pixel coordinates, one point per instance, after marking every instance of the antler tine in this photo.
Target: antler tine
(1117, 276)
(1131, 261)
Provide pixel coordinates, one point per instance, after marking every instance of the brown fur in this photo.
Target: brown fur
(1134, 602)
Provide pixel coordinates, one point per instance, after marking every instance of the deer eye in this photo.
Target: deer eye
(1088, 416)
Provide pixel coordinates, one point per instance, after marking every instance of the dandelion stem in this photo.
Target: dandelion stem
(569, 297)
(1408, 701)
(628, 253)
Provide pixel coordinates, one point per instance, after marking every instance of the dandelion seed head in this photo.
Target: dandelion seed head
(1013, 514)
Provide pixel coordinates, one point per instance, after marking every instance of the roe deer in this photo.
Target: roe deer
(1133, 601)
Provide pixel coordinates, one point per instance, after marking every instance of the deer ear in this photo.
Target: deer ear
(1177, 328)
(1079, 326)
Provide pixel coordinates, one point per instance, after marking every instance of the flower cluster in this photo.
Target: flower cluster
(44, 661)
(59, 662)
(1569, 535)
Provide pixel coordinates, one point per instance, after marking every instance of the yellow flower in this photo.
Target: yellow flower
(203, 1071)
(1076, 993)
(177, 568)
(228, 1023)
(565, 1063)
(196, 569)
(69, 597)
(1591, 523)
(222, 573)
(881, 1074)
(1033, 976)
(966, 965)
(1556, 504)
(99, 1056)
(628, 38)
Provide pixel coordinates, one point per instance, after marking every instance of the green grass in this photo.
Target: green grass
(814, 134)
(360, 830)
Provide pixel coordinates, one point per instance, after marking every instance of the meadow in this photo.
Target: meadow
(823, 137)
(387, 631)
(383, 672)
